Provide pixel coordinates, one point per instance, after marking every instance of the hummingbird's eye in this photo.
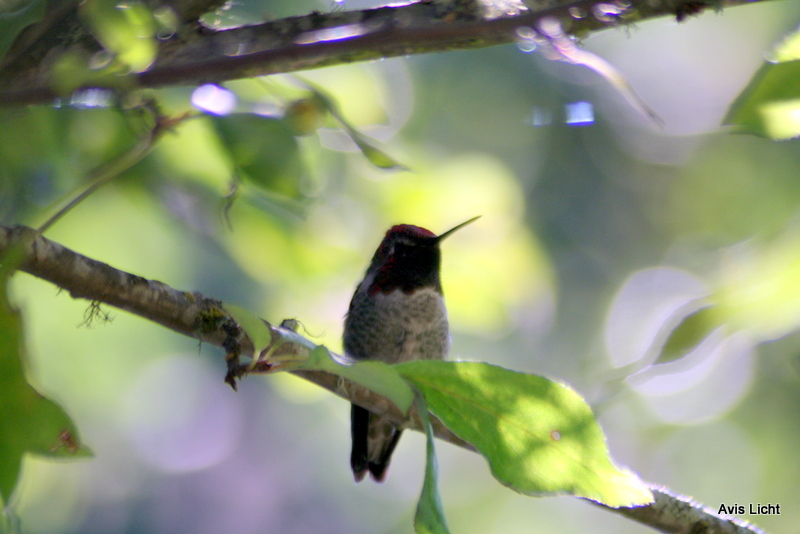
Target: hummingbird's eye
(403, 250)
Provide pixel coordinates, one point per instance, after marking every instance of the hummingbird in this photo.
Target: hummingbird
(397, 314)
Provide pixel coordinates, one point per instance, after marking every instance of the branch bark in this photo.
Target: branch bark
(203, 318)
(197, 55)
(189, 313)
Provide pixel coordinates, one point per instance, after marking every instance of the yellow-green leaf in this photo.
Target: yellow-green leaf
(375, 376)
(255, 328)
(126, 31)
(539, 437)
(374, 155)
(770, 104)
(429, 518)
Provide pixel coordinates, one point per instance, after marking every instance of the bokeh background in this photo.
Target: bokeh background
(601, 233)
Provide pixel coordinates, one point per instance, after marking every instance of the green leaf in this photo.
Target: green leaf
(539, 436)
(374, 155)
(770, 104)
(71, 71)
(305, 115)
(788, 49)
(429, 518)
(263, 150)
(256, 329)
(375, 376)
(15, 17)
(127, 31)
(759, 289)
(693, 329)
(29, 422)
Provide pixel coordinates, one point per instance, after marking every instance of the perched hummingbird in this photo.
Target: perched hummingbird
(397, 314)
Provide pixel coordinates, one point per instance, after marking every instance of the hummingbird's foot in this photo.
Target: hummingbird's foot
(234, 372)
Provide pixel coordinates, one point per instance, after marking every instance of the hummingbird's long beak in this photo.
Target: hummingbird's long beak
(438, 238)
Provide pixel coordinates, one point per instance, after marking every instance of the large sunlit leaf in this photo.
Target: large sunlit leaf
(429, 518)
(770, 104)
(29, 422)
(539, 437)
(263, 150)
(375, 376)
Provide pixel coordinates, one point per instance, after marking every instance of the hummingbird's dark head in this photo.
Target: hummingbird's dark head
(408, 258)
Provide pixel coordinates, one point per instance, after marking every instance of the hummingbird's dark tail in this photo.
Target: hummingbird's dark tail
(359, 428)
(374, 440)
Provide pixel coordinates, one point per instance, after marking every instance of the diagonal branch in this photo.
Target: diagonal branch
(197, 55)
(191, 314)
(203, 318)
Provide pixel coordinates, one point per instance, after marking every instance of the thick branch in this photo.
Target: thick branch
(191, 314)
(202, 318)
(197, 55)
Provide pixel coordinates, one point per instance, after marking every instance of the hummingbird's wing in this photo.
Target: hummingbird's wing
(374, 440)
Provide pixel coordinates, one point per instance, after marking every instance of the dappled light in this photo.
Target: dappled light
(214, 99)
(635, 262)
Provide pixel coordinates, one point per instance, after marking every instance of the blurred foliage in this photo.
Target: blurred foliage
(126, 33)
(30, 422)
(770, 104)
(604, 247)
(262, 150)
(760, 286)
(15, 15)
(693, 329)
(321, 102)
(125, 30)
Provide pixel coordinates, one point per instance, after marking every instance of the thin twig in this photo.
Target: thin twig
(111, 169)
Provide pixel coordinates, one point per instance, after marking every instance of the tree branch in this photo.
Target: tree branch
(191, 314)
(203, 318)
(197, 55)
